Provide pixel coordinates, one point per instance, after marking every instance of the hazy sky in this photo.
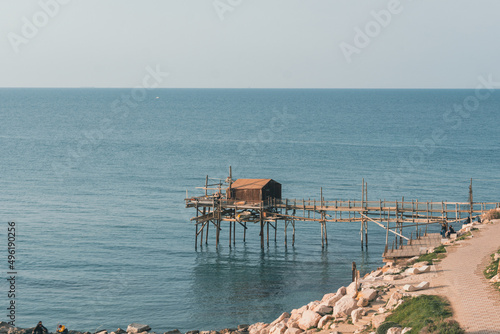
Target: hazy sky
(249, 43)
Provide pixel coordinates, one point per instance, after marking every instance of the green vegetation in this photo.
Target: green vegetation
(463, 236)
(382, 329)
(492, 269)
(430, 313)
(438, 254)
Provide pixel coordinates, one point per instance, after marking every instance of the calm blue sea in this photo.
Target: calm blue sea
(95, 180)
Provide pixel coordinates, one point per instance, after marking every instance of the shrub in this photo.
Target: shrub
(382, 329)
(423, 311)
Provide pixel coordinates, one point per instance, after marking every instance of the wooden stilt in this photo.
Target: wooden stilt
(286, 225)
(267, 233)
(206, 236)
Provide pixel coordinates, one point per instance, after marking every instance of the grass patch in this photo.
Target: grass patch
(382, 329)
(492, 269)
(438, 254)
(425, 311)
(440, 249)
(463, 236)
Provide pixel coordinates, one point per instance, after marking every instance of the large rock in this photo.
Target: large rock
(283, 316)
(495, 279)
(425, 269)
(278, 328)
(341, 291)
(257, 327)
(175, 331)
(137, 328)
(297, 313)
(362, 302)
(392, 277)
(324, 321)
(293, 330)
(334, 299)
(344, 306)
(357, 314)
(327, 296)
(16, 330)
(323, 309)
(352, 289)
(394, 300)
(292, 324)
(378, 319)
(421, 286)
(394, 330)
(369, 294)
(309, 319)
(413, 271)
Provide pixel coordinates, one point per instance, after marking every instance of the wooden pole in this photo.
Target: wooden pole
(286, 224)
(261, 228)
(267, 233)
(195, 236)
(206, 236)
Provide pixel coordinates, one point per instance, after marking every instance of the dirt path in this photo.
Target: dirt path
(476, 304)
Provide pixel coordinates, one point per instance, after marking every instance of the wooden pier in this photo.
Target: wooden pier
(259, 201)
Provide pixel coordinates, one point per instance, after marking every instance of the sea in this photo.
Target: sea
(95, 181)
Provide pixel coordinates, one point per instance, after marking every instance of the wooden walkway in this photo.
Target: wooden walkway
(416, 247)
(395, 217)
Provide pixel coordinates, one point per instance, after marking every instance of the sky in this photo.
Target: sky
(249, 43)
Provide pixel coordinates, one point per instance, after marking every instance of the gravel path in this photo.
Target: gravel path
(476, 304)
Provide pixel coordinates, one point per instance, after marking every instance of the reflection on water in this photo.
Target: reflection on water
(248, 285)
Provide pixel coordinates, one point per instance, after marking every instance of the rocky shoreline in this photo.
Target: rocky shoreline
(360, 307)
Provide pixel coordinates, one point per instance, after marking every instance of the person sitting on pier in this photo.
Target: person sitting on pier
(40, 329)
(62, 329)
(451, 230)
(443, 230)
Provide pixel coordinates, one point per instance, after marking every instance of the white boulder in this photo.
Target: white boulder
(137, 328)
(345, 306)
(369, 294)
(283, 316)
(334, 299)
(278, 328)
(323, 309)
(309, 319)
(392, 277)
(324, 321)
(394, 330)
(357, 314)
(352, 289)
(293, 330)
